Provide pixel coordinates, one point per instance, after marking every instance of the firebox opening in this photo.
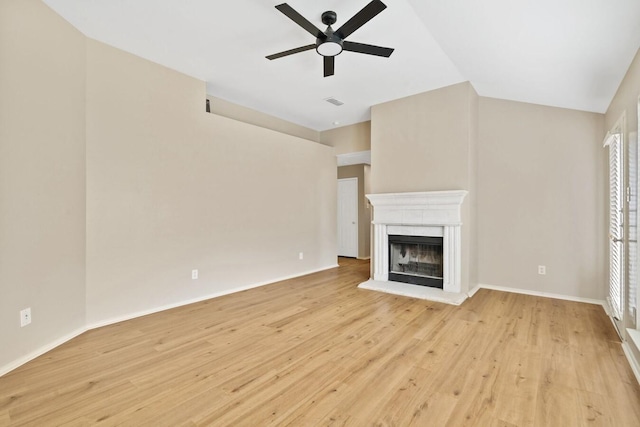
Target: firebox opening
(416, 260)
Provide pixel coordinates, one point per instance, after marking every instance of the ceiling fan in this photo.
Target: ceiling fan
(330, 43)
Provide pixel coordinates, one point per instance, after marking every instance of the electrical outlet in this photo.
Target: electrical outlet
(301, 255)
(194, 274)
(25, 317)
(542, 269)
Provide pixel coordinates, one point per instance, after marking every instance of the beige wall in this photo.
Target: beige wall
(534, 176)
(421, 143)
(626, 98)
(42, 170)
(228, 109)
(364, 210)
(172, 188)
(115, 183)
(348, 139)
(541, 198)
(426, 142)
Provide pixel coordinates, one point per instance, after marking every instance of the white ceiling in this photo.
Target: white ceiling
(564, 53)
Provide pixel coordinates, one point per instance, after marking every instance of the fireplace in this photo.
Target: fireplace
(417, 245)
(417, 260)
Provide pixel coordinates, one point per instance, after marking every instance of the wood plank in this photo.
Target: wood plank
(317, 350)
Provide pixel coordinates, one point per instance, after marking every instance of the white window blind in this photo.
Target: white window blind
(616, 233)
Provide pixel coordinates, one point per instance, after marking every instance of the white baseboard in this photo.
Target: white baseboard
(635, 366)
(130, 316)
(473, 291)
(50, 346)
(633, 339)
(607, 308)
(538, 294)
(39, 352)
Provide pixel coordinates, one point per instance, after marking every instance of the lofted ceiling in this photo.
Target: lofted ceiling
(564, 53)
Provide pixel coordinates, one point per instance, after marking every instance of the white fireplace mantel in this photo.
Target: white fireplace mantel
(432, 213)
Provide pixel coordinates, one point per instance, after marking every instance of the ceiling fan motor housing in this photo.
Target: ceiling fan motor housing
(329, 17)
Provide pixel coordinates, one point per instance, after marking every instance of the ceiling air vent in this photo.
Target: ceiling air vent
(332, 100)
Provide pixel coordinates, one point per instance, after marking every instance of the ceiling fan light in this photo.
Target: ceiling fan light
(329, 48)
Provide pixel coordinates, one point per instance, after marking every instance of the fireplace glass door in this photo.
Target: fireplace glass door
(416, 259)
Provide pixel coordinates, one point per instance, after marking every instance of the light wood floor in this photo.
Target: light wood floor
(318, 351)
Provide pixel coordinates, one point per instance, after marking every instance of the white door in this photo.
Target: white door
(348, 217)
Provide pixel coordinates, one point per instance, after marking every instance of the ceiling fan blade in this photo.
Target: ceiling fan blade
(300, 20)
(329, 62)
(291, 51)
(361, 18)
(367, 48)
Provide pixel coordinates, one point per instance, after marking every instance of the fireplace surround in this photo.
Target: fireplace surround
(434, 214)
